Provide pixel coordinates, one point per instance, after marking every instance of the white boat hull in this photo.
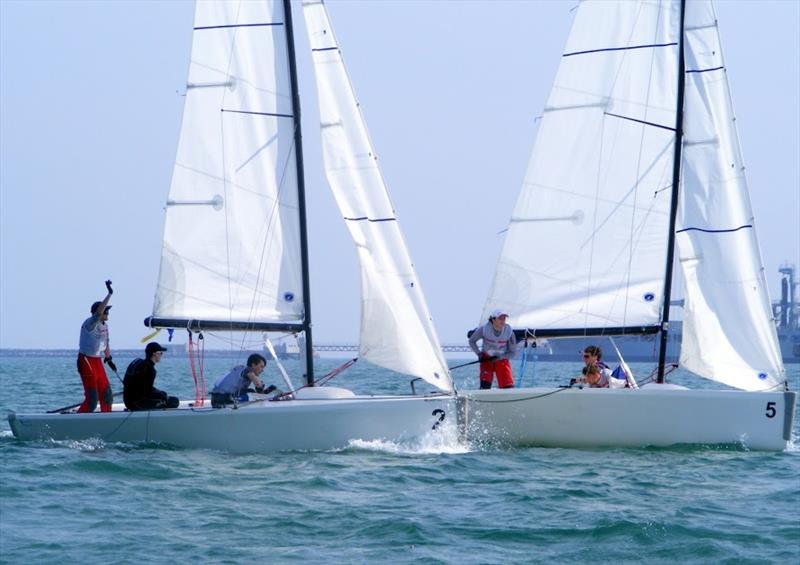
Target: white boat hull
(654, 415)
(256, 427)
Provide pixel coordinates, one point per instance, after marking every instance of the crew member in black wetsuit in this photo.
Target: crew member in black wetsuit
(139, 392)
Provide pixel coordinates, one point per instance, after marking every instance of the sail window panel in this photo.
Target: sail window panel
(728, 334)
(396, 332)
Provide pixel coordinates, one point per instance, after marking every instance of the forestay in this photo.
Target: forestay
(728, 332)
(586, 244)
(233, 202)
(396, 328)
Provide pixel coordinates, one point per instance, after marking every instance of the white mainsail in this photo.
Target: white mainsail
(728, 332)
(396, 328)
(586, 244)
(231, 238)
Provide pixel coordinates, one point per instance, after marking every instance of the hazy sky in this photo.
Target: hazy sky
(90, 108)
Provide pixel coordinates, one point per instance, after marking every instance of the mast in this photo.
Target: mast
(301, 194)
(673, 212)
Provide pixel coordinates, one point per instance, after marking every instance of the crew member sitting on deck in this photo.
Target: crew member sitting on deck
(139, 392)
(593, 376)
(592, 355)
(232, 387)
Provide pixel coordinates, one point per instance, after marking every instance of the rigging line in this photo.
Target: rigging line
(225, 169)
(524, 399)
(628, 48)
(655, 125)
(593, 237)
(107, 437)
(618, 205)
(321, 381)
(632, 227)
(269, 227)
(599, 165)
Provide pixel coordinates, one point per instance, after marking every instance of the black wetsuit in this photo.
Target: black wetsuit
(139, 392)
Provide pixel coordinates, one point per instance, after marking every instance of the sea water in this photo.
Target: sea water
(431, 501)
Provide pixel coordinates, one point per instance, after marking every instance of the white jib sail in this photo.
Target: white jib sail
(728, 331)
(231, 247)
(586, 243)
(396, 328)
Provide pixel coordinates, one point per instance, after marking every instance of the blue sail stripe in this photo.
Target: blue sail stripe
(655, 125)
(258, 113)
(716, 231)
(363, 218)
(238, 25)
(704, 70)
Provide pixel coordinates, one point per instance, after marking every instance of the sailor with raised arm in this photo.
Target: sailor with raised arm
(92, 349)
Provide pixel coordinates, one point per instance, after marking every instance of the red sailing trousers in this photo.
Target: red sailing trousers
(501, 368)
(95, 384)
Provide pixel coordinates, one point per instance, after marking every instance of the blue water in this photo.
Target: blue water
(433, 501)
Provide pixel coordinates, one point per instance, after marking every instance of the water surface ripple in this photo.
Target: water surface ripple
(436, 502)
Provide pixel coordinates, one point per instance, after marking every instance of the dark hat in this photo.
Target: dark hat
(95, 305)
(153, 347)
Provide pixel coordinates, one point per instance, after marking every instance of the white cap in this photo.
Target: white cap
(498, 312)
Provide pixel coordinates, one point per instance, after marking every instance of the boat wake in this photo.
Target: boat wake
(440, 441)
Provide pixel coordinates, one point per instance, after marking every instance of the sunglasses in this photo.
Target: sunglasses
(586, 355)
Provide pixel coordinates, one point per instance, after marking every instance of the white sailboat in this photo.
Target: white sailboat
(637, 152)
(235, 256)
